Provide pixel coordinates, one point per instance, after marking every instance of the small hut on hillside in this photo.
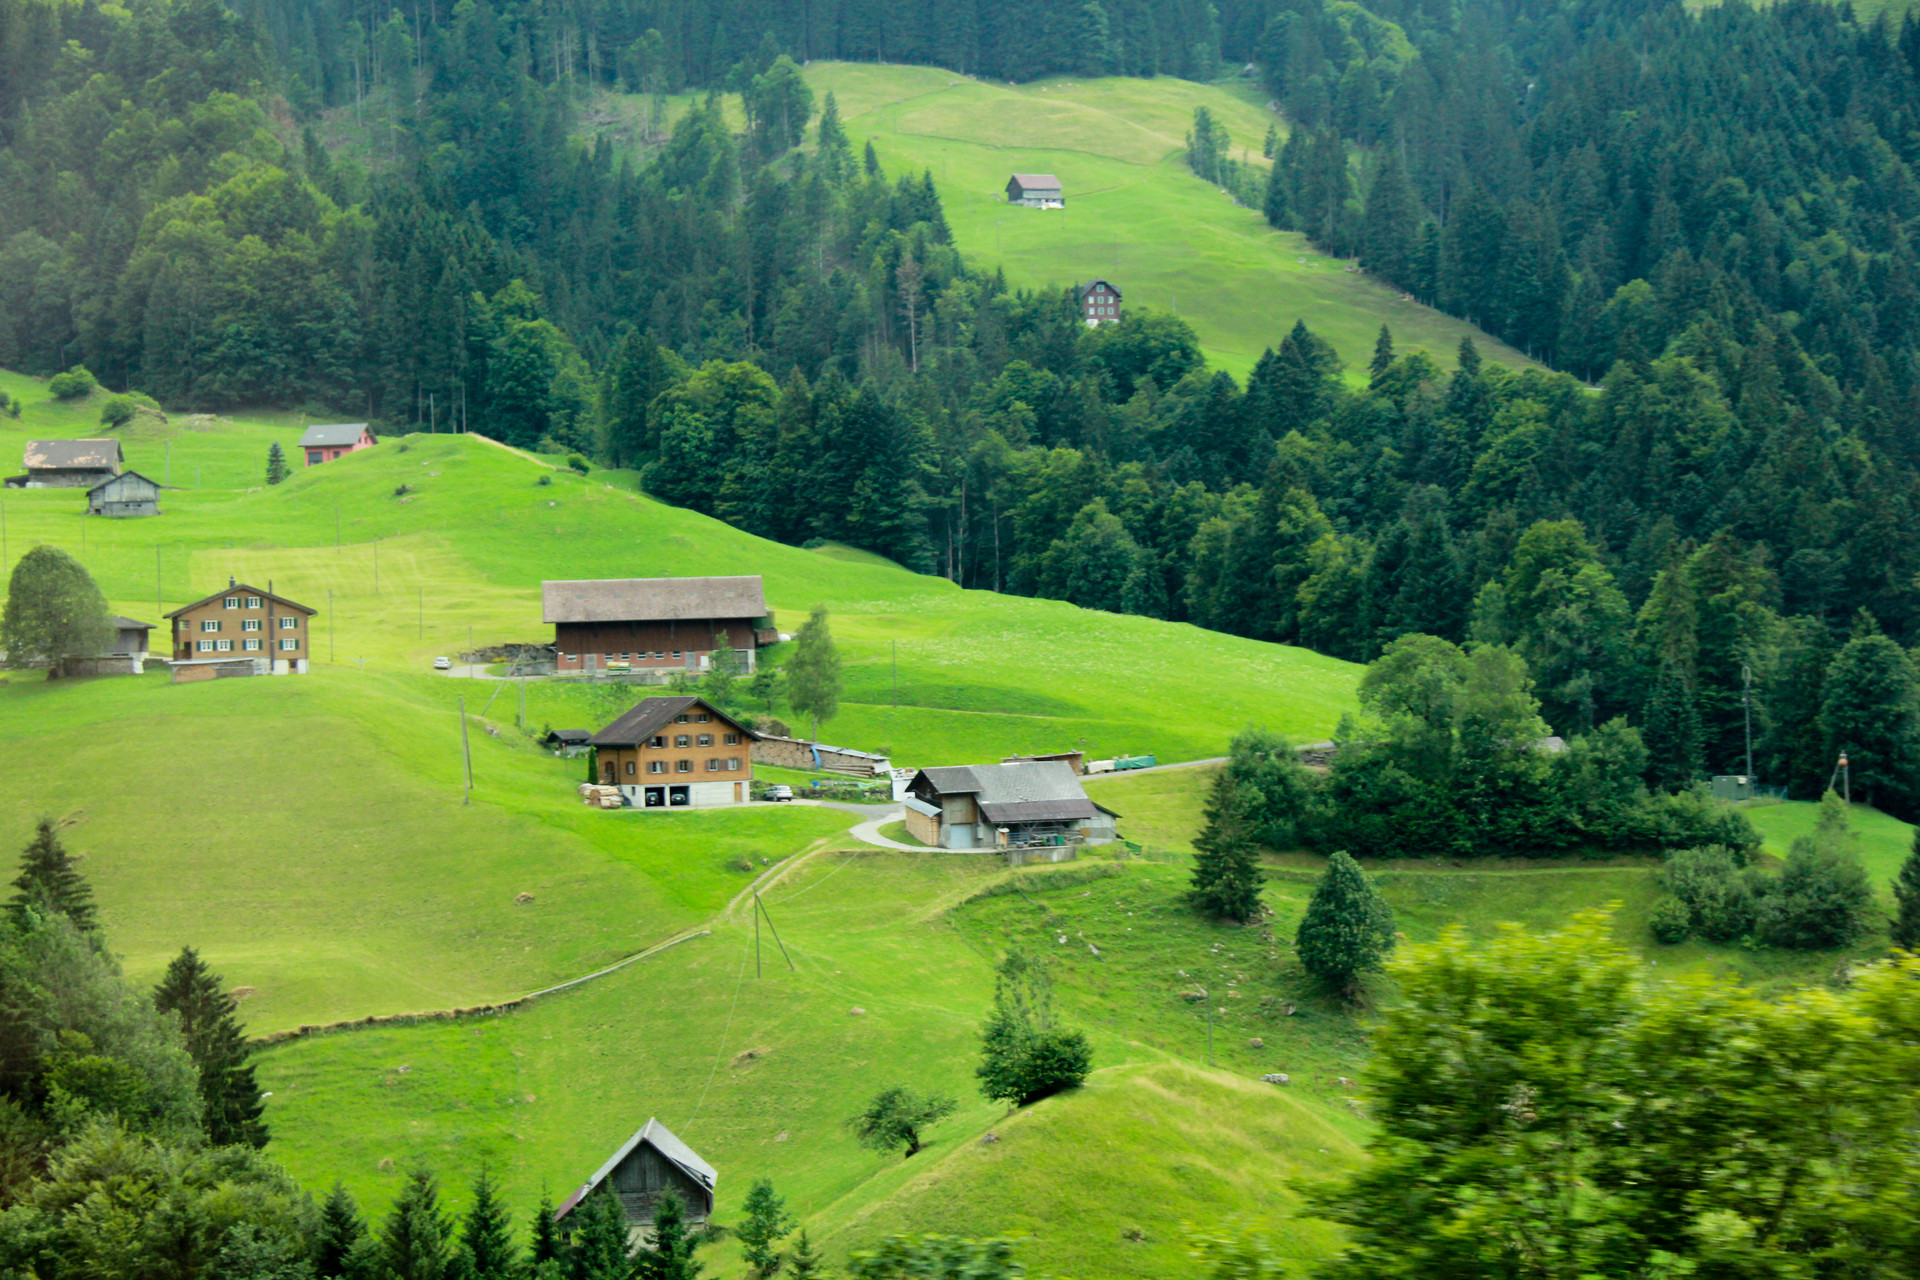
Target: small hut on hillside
(652, 1163)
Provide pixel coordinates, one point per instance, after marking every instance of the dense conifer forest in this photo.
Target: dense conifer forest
(1702, 220)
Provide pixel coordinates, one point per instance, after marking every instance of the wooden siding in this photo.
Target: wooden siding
(189, 631)
(646, 1175)
(924, 827)
(633, 766)
(637, 641)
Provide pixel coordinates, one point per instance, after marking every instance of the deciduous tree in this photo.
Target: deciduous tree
(55, 614)
(813, 673)
(1347, 929)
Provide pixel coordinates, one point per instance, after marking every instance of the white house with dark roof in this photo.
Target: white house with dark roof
(1036, 191)
(647, 1166)
(991, 806)
(333, 440)
(633, 624)
(67, 464)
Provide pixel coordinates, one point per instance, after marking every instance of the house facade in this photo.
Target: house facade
(997, 806)
(1099, 303)
(647, 1166)
(127, 494)
(335, 440)
(68, 464)
(244, 622)
(675, 753)
(1035, 191)
(633, 624)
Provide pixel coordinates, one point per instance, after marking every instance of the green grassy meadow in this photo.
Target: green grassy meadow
(1134, 213)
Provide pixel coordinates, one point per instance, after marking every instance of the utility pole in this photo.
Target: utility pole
(332, 626)
(1846, 778)
(466, 750)
(1746, 699)
(1209, 1028)
(756, 935)
(896, 675)
(523, 700)
(157, 607)
(336, 526)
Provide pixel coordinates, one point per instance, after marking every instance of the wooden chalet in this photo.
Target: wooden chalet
(676, 753)
(127, 494)
(634, 624)
(244, 622)
(67, 464)
(1035, 191)
(989, 806)
(651, 1163)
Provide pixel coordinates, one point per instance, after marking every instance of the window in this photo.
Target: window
(223, 646)
(630, 769)
(702, 718)
(706, 740)
(679, 719)
(231, 602)
(731, 739)
(656, 766)
(713, 764)
(314, 456)
(733, 764)
(210, 624)
(626, 657)
(683, 766)
(250, 624)
(205, 646)
(658, 740)
(676, 653)
(251, 646)
(658, 654)
(289, 646)
(289, 624)
(682, 740)
(253, 602)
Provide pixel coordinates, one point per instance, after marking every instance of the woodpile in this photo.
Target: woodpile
(596, 796)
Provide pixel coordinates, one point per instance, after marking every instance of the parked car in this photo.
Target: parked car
(780, 792)
(443, 664)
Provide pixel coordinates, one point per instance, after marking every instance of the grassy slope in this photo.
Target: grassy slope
(1134, 214)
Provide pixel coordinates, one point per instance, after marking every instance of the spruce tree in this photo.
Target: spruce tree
(1906, 897)
(764, 1222)
(1226, 876)
(486, 1235)
(414, 1240)
(338, 1238)
(543, 1234)
(669, 1254)
(1382, 355)
(277, 469)
(599, 1247)
(49, 883)
(229, 1095)
(1670, 727)
(801, 1260)
(1348, 928)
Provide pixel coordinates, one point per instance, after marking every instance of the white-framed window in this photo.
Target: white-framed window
(250, 646)
(250, 624)
(204, 646)
(676, 653)
(658, 654)
(253, 602)
(231, 602)
(683, 766)
(679, 719)
(657, 740)
(289, 624)
(223, 646)
(210, 624)
(702, 718)
(289, 645)
(682, 740)
(731, 739)
(733, 764)
(656, 766)
(713, 764)
(630, 768)
(706, 740)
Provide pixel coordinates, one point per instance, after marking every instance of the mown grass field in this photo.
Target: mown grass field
(1135, 214)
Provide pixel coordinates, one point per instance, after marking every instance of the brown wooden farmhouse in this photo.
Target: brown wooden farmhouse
(244, 622)
(633, 624)
(676, 753)
(652, 1163)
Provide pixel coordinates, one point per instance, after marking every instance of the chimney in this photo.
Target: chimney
(230, 582)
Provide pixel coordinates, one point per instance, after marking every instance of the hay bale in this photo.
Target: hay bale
(523, 898)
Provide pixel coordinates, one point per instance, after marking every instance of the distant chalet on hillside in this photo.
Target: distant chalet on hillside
(1099, 302)
(333, 440)
(127, 494)
(652, 1163)
(1036, 191)
(67, 464)
(657, 623)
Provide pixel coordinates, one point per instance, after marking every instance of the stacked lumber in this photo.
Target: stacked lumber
(596, 796)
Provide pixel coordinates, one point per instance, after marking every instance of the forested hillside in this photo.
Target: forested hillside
(1710, 214)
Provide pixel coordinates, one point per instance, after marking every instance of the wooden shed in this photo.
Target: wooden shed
(127, 494)
(650, 1164)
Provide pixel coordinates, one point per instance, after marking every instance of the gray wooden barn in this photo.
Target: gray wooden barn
(650, 1164)
(127, 494)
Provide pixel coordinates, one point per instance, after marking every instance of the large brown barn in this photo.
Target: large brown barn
(637, 624)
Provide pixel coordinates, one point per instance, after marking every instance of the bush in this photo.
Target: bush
(1671, 922)
(1820, 900)
(544, 480)
(1024, 1056)
(9, 406)
(1719, 898)
(73, 384)
(579, 463)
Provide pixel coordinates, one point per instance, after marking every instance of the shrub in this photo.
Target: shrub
(119, 410)
(579, 463)
(9, 406)
(544, 480)
(73, 384)
(403, 491)
(1671, 922)
(1023, 1055)
(1819, 901)
(1719, 899)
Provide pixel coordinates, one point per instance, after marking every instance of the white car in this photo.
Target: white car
(443, 664)
(780, 792)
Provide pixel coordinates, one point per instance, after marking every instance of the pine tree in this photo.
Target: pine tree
(277, 469)
(1670, 726)
(1226, 876)
(871, 161)
(764, 1222)
(229, 1095)
(1382, 355)
(339, 1237)
(414, 1240)
(836, 155)
(50, 883)
(813, 673)
(486, 1236)
(1348, 927)
(1871, 710)
(599, 1247)
(1906, 897)
(543, 1234)
(669, 1254)
(801, 1260)
(1391, 222)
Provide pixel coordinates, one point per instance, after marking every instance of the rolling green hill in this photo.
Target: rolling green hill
(1134, 212)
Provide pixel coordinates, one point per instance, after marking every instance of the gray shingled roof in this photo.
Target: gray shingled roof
(241, 589)
(123, 476)
(654, 600)
(332, 435)
(69, 455)
(1037, 181)
(661, 1139)
(1030, 791)
(129, 624)
(649, 716)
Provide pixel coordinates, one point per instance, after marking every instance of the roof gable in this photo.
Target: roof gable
(333, 434)
(654, 600)
(1036, 181)
(661, 1139)
(241, 588)
(127, 475)
(65, 455)
(650, 715)
(1025, 791)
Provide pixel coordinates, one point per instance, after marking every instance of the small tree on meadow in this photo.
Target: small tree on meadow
(896, 1117)
(339, 1240)
(50, 883)
(1906, 897)
(229, 1095)
(813, 673)
(598, 1250)
(277, 468)
(1024, 1055)
(802, 1260)
(764, 1223)
(55, 613)
(487, 1251)
(543, 1235)
(1822, 895)
(1348, 927)
(669, 1254)
(414, 1241)
(1260, 797)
